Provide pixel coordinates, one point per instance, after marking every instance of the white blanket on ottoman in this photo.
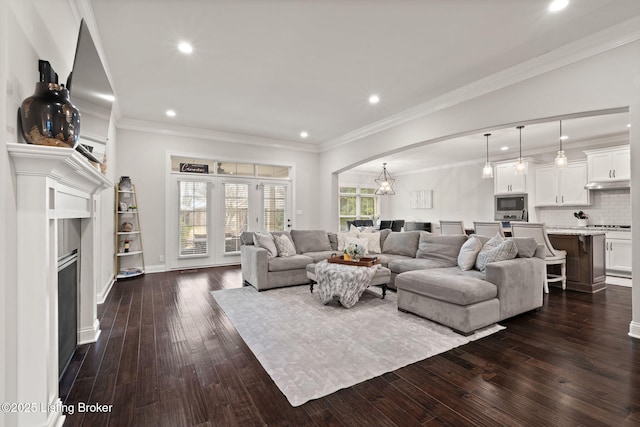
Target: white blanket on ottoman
(343, 281)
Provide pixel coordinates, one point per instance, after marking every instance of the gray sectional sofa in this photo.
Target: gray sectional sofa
(424, 271)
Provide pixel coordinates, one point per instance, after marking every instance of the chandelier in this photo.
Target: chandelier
(385, 182)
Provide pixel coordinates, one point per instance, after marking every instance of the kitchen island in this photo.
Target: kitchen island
(585, 257)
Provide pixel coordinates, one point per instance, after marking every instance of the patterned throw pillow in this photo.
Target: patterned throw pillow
(505, 250)
(468, 253)
(285, 245)
(265, 241)
(492, 243)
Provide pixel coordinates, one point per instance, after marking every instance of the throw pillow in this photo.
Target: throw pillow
(265, 241)
(373, 239)
(468, 253)
(285, 246)
(492, 243)
(505, 250)
(360, 242)
(527, 246)
(342, 236)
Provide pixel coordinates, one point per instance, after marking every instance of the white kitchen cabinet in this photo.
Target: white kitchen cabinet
(618, 254)
(562, 187)
(609, 164)
(507, 181)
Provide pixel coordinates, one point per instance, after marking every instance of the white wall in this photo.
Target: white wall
(7, 268)
(142, 156)
(459, 193)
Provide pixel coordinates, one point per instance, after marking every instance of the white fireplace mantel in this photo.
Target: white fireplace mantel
(52, 183)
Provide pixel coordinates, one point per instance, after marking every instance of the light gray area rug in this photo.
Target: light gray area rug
(311, 350)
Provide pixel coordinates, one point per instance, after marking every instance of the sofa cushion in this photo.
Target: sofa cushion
(311, 240)
(444, 249)
(265, 241)
(410, 264)
(284, 244)
(505, 250)
(294, 262)
(488, 245)
(383, 236)
(319, 256)
(468, 253)
(461, 290)
(402, 243)
(526, 246)
(385, 259)
(457, 271)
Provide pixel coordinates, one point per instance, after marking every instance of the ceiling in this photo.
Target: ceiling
(273, 68)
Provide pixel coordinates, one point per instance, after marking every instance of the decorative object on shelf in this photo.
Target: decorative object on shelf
(521, 165)
(354, 252)
(583, 218)
(487, 170)
(561, 158)
(48, 117)
(385, 182)
(129, 256)
(125, 184)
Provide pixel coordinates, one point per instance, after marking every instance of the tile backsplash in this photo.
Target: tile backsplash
(611, 207)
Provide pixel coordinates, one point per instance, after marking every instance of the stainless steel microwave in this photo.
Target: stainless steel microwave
(512, 207)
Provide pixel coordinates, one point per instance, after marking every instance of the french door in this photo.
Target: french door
(210, 214)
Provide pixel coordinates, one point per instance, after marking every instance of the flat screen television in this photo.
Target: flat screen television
(91, 93)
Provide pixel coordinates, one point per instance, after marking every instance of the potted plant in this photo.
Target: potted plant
(354, 252)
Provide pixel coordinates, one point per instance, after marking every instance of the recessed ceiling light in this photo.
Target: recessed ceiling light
(563, 137)
(185, 47)
(557, 5)
(374, 99)
(171, 113)
(629, 125)
(304, 134)
(505, 148)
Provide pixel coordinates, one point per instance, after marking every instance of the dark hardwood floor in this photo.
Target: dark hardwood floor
(168, 356)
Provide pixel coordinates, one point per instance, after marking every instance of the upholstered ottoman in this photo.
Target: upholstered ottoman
(460, 302)
(381, 278)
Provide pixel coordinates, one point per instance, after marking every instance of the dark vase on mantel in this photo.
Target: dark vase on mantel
(48, 117)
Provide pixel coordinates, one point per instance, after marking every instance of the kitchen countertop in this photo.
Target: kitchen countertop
(577, 231)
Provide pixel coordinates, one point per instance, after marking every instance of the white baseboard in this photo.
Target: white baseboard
(619, 281)
(158, 268)
(634, 330)
(56, 417)
(89, 335)
(101, 296)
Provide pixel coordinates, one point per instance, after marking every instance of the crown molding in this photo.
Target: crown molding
(595, 44)
(190, 132)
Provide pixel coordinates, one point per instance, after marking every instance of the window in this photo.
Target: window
(357, 203)
(275, 201)
(193, 218)
(236, 214)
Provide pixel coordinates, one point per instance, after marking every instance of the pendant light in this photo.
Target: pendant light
(521, 166)
(561, 158)
(385, 182)
(487, 170)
